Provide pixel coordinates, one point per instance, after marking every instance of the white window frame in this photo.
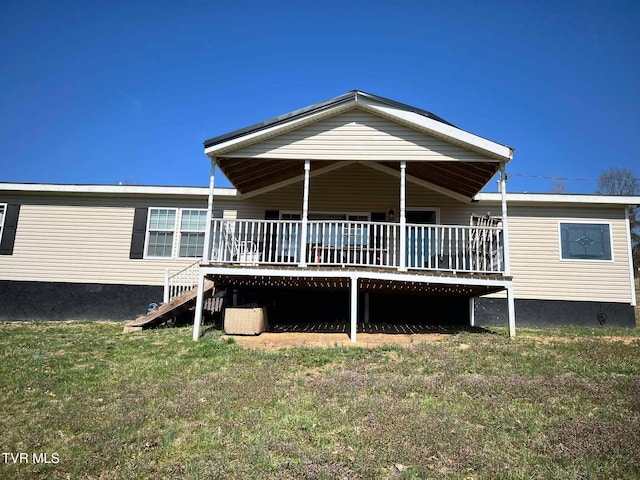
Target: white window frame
(585, 260)
(177, 233)
(180, 231)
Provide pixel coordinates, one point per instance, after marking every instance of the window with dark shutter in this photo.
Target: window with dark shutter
(8, 224)
(138, 233)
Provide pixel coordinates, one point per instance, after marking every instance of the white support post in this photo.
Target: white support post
(305, 215)
(472, 311)
(166, 293)
(505, 222)
(512, 310)
(403, 216)
(207, 232)
(197, 318)
(354, 307)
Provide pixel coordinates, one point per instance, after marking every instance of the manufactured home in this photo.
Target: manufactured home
(358, 211)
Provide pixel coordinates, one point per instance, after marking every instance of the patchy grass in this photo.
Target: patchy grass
(557, 403)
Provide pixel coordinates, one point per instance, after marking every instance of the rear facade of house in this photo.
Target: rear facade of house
(358, 211)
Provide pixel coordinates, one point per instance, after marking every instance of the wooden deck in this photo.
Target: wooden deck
(369, 328)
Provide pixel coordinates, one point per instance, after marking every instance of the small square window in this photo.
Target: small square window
(585, 241)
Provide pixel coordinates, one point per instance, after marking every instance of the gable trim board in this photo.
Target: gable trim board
(358, 127)
(415, 118)
(77, 236)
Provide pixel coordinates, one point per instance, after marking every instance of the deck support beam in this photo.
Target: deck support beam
(472, 312)
(505, 220)
(354, 307)
(505, 248)
(305, 215)
(511, 309)
(197, 317)
(403, 216)
(207, 232)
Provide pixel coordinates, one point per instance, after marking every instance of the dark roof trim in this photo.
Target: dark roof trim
(316, 108)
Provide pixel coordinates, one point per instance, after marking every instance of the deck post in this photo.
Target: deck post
(354, 307)
(403, 217)
(206, 257)
(512, 310)
(197, 317)
(305, 215)
(166, 294)
(505, 223)
(472, 312)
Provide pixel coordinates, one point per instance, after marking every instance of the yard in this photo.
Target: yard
(83, 400)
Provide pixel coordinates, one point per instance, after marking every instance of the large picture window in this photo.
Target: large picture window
(173, 232)
(585, 241)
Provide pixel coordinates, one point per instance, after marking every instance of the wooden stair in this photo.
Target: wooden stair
(167, 311)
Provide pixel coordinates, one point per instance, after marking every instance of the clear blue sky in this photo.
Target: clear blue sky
(107, 92)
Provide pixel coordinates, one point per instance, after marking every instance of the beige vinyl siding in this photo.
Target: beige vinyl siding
(355, 188)
(356, 135)
(87, 239)
(79, 240)
(538, 270)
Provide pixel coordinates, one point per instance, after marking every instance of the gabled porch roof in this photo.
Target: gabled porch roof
(438, 154)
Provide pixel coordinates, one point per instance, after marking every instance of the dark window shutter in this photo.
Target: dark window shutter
(9, 229)
(139, 231)
(272, 214)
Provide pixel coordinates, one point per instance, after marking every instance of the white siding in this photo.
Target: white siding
(356, 135)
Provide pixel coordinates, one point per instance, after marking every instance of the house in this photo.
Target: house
(359, 210)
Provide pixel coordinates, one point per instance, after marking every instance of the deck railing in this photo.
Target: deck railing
(358, 244)
(185, 280)
(180, 282)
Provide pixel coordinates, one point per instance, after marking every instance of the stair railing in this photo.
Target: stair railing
(180, 282)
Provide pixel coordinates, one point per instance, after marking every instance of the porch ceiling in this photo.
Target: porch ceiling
(463, 178)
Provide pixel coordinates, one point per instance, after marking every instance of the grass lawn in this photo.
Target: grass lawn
(561, 403)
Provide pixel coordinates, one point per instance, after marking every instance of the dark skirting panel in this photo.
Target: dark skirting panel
(74, 301)
(554, 313)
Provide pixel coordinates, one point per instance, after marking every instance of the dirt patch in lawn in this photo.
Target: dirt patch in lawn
(277, 341)
(280, 340)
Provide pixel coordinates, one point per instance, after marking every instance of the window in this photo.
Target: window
(192, 226)
(168, 225)
(585, 241)
(162, 223)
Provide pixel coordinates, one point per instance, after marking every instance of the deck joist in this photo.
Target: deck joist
(369, 280)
